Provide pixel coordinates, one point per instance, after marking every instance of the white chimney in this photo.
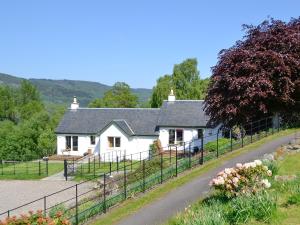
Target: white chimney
(75, 104)
(171, 97)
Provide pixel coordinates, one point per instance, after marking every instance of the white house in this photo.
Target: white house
(130, 131)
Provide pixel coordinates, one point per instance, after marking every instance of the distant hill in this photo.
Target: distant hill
(62, 91)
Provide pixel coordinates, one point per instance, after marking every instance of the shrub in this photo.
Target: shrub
(242, 179)
(212, 145)
(57, 209)
(36, 218)
(261, 206)
(206, 214)
(151, 167)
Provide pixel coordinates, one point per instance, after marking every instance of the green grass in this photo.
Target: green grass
(28, 171)
(283, 208)
(130, 206)
(87, 171)
(289, 165)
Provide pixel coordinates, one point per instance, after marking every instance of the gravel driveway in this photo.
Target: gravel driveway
(14, 193)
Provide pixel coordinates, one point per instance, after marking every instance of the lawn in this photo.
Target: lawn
(132, 205)
(286, 193)
(29, 170)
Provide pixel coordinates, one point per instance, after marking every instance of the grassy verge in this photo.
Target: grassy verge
(279, 206)
(29, 171)
(132, 205)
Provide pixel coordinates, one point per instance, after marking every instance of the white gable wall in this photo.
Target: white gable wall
(113, 131)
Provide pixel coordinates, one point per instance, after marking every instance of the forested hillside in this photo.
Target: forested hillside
(26, 126)
(62, 91)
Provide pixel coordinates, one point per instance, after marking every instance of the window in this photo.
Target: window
(114, 142)
(175, 136)
(118, 142)
(179, 136)
(200, 133)
(93, 140)
(75, 143)
(171, 136)
(68, 142)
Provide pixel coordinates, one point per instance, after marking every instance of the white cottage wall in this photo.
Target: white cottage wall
(189, 135)
(84, 144)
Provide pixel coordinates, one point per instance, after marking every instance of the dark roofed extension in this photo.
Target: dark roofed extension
(183, 113)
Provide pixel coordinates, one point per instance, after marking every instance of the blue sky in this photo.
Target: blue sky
(131, 41)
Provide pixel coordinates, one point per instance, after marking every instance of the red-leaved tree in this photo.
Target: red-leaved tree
(259, 76)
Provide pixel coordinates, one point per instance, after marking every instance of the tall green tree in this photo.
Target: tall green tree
(7, 104)
(120, 96)
(26, 127)
(185, 81)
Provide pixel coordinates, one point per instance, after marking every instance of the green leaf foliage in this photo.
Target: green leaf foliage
(185, 81)
(26, 126)
(120, 96)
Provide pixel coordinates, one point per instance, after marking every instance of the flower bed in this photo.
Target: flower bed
(36, 218)
(242, 179)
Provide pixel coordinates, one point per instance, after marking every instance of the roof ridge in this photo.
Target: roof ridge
(119, 108)
(187, 100)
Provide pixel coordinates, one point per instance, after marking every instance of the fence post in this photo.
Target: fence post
(47, 171)
(176, 158)
(202, 149)
(117, 163)
(39, 167)
(45, 206)
(14, 166)
(267, 127)
(89, 165)
(218, 143)
(144, 184)
(131, 162)
(251, 133)
(99, 160)
(109, 168)
(104, 193)
(140, 158)
(170, 154)
(1, 166)
(161, 168)
(242, 133)
(76, 202)
(190, 155)
(183, 149)
(149, 154)
(66, 169)
(231, 139)
(125, 181)
(94, 167)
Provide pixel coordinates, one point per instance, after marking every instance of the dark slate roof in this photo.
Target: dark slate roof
(92, 121)
(122, 124)
(133, 121)
(183, 113)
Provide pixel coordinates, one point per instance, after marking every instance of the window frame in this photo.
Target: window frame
(175, 130)
(92, 139)
(68, 140)
(202, 133)
(113, 140)
(73, 145)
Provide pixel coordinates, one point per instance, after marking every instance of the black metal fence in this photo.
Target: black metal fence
(21, 168)
(113, 185)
